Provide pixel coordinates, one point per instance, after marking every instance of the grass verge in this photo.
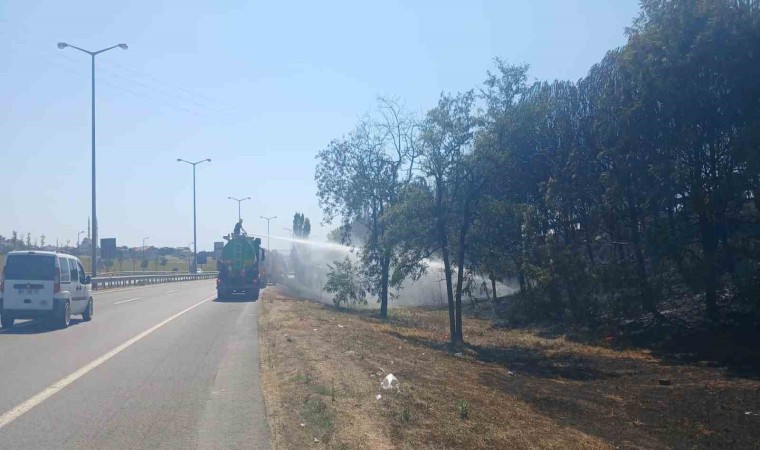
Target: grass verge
(322, 369)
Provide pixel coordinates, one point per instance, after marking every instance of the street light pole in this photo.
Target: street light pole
(94, 242)
(79, 234)
(239, 200)
(144, 239)
(268, 219)
(190, 262)
(194, 263)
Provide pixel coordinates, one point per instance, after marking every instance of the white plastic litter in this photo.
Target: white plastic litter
(340, 326)
(379, 396)
(510, 373)
(390, 382)
(458, 354)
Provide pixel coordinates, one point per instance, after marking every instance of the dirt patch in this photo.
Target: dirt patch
(322, 371)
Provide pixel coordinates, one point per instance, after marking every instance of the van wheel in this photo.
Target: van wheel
(87, 314)
(255, 294)
(7, 321)
(63, 318)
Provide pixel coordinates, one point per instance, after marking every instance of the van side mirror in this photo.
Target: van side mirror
(87, 280)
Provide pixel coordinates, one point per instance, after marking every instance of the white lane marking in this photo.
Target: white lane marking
(127, 301)
(169, 292)
(56, 387)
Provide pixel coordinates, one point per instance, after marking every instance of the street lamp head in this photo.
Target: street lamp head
(209, 159)
(179, 159)
(121, 46)
(62, 45)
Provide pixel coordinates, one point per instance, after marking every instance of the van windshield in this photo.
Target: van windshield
(30, 267)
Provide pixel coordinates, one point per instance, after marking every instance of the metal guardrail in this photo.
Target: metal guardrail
(141, 280)
(123, 273)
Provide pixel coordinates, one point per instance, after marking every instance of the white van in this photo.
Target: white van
(45, 285)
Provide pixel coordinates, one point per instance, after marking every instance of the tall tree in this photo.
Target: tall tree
(446, 162)
(360, 177)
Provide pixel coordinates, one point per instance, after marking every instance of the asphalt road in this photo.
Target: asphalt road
(159, 367)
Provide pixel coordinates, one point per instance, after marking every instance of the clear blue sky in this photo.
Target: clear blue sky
(258, 87)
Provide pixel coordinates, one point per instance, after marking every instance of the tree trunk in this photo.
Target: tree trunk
(460, 273)
(443, 242)
(709, 250)
(449, 292)
(384, 279)
(648, 302)
(493, 289)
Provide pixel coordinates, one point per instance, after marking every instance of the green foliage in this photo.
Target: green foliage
(360, 179)
(346, 282)
(301, 226)
(406, 414)
(464, 409)
(631, 191)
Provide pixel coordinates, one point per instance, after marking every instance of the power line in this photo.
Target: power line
(107, 78)
(103, 69)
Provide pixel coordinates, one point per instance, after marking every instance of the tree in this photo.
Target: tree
(28, 240)
(120, 256)
(42, 240)
(301, 226)
(344, 280)
(446, 150)
(299, 254)
(359, 178)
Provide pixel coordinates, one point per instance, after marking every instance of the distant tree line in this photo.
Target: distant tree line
(632, 191)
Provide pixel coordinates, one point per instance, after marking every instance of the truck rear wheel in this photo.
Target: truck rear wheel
(255, 294)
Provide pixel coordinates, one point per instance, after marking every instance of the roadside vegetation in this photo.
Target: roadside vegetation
(626, 202)
(322, 370)
(624, 208)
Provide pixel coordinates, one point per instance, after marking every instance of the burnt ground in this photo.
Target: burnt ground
(509, 388)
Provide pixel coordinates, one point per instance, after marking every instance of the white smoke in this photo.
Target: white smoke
(429, 290)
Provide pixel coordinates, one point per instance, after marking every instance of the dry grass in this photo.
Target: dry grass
(519, 389)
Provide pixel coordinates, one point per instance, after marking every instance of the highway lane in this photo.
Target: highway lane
(192, 382)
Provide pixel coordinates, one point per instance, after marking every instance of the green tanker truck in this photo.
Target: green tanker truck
(240, 267)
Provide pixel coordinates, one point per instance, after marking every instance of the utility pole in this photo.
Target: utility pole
(268, 219)
(143, 248)
(94, 240)
(193, 268)
(239, 200)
